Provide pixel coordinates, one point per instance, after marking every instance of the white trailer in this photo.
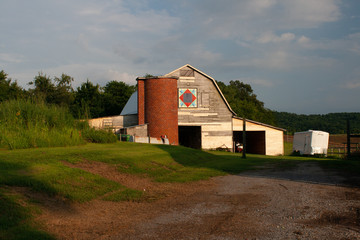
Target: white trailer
(311, 142)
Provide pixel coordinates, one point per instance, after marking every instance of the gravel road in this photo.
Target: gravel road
(304, 202)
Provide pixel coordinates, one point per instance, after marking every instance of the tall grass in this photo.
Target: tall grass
(28, 124)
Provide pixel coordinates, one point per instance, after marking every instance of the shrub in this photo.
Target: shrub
(98, 136)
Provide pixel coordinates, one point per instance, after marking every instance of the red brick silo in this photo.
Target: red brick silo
(141, 100)
(161, 108)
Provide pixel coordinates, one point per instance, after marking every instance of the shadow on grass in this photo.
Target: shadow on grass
(20, 175)
(301, 169)
(16, 220)
(221, 161)
(41, 183)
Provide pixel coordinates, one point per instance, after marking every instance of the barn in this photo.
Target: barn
(187, 107)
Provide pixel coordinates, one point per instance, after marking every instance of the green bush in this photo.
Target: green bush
(98, 136)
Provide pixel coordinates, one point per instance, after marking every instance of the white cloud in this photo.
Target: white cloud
(354, 43)
(303, 40)
(91, 11)
(11, 57)
(259, 82)
(146, 21)
(281, 60)
(100, 16)
(352, 85)
(199, 54)
(270, 37)
(350, 43)
(246, 19)
(120, 76)
(258, 7)
(310, 13)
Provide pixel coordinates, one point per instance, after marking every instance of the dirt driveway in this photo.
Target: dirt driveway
(261, 204)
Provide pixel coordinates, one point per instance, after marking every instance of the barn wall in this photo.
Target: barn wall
(114, 122)
(274, 142)
(211, 112)
(130, 120)
(138, 130)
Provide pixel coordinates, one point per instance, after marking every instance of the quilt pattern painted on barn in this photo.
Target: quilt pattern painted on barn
(187, 98)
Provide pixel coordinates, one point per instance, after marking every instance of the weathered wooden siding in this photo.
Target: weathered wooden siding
(138, 130)
(274, 143)
(115, 122)
(211, 112)
(112, 122)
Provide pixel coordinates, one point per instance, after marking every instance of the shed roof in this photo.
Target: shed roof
(261, 124)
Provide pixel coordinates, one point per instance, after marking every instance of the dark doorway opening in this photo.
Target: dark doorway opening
(255, 141)
(190, 136)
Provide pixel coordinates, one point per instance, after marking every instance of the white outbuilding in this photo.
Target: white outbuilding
(311, 142)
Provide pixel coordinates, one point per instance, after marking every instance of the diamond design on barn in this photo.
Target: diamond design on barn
(187, 98)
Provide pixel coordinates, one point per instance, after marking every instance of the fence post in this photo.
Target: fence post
(244, 138)
(348, 137)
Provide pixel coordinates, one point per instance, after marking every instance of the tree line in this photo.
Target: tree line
(91, 101)
(244, 102)
(86, 101)
(334, 123)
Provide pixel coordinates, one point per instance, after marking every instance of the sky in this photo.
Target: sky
(299, 56)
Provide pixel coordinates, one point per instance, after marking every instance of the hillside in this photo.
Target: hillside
(334, 123)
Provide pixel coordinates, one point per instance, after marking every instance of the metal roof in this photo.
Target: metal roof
(131, 105)
(259, 123)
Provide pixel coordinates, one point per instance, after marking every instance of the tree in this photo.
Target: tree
(44, 88)
(64, 93)
(244, 102)
(8, 88)
(58, 91)
(88, 101)
(116, 95)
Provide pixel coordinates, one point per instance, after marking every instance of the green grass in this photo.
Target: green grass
(44, 170)
(16, 220)
(288, 148)
(45, 173)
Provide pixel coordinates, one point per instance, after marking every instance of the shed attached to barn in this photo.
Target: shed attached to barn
(260, 138)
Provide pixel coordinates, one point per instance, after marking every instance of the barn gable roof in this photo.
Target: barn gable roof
(210, 78)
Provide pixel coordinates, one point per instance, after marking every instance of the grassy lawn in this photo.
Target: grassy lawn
(288, 148)
(43, 170)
